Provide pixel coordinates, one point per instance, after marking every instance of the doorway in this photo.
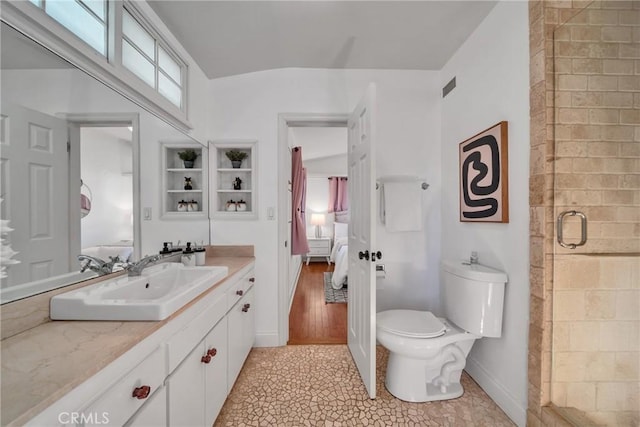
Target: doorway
(318, 308)
(106, 150)
(290, 267)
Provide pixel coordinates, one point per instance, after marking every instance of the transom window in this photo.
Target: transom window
(87, 19)
(144, 54)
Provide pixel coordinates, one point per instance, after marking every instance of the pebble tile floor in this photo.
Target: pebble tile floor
(319, 385)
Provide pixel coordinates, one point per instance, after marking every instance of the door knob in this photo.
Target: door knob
(376, 255)
(363, 255)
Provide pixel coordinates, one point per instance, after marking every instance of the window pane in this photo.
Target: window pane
(37, 2)
(169, 66)
(138, 35)
(169, 90)
(138, 64)
(78, 21)
(97, 6)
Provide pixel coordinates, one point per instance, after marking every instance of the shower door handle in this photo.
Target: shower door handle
(583, 229)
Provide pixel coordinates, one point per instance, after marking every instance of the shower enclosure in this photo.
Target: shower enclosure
(595, 364)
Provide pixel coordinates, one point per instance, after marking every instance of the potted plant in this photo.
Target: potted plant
(236, 157)
(188, 156)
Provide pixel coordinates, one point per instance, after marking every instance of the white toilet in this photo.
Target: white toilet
(426, 353)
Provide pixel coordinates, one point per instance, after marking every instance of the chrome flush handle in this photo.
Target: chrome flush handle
(583, 229)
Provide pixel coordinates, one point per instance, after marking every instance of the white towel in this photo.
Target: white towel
(402, 204)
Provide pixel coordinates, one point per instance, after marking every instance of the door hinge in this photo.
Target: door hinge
(68, 146)
(285, 243)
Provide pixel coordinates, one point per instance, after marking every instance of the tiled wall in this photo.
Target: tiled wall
(596, 338)
(598, 171)
(596, 299)
(591, 312)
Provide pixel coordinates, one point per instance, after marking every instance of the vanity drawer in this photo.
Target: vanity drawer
(240, 288)
(181, 344)
(117, 404)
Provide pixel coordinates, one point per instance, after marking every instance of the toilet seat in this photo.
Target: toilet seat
(411, 323)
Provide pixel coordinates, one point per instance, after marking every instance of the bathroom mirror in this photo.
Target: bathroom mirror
(71, 155)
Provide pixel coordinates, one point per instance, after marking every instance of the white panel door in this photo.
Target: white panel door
(35, 172)
(361, 317)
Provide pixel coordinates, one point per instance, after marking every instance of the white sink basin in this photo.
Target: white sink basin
(155, 295)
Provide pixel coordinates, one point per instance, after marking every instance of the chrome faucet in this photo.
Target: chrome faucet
(135, 268)
(98, 265)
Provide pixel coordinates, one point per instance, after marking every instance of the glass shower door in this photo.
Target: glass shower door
(596, 264)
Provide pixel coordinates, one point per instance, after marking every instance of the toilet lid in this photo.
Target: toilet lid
(410, 323)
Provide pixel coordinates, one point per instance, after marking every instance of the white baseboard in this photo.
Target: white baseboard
(267, 339)
(295, 286)
(497, 392)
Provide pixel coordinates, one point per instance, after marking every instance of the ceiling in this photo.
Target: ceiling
(320, 142)
(235, 37)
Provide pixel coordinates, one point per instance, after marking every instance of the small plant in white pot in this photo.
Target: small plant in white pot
(236, 157)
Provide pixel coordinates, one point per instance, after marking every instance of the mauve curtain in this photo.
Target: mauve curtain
(299, 244)
(338, 196)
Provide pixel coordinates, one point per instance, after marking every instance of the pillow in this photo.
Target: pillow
(340, 230)
(342, 216)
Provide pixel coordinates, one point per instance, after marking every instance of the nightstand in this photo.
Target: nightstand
(319, 247)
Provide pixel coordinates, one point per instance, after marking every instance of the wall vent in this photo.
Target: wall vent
(449, 87)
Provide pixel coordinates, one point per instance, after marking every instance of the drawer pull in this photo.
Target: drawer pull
(252, 279)
(240, 292)
(206, 359)
(246, 307)
(212, 352)
(141, 392)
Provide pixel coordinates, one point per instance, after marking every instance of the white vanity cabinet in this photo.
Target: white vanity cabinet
(153, 413)
(180, 375)
(198, 387)
(128, 394)
(241, 334)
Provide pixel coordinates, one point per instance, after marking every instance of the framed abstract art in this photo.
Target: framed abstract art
(484, 177)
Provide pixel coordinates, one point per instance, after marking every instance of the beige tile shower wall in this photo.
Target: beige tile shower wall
(596, 337)
(544, 18)
(596, 299)
(597, 131)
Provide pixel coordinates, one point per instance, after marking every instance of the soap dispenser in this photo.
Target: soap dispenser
(188, 257)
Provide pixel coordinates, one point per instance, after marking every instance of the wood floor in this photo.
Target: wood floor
(311, 321)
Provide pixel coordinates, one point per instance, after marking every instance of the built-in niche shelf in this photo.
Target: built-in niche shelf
(227, 201)
(178, 203)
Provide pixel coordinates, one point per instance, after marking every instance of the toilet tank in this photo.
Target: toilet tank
(473, 297)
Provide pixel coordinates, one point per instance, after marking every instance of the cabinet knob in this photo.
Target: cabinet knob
(240, 292)
(141, 392)
(206, 358)
(246, 307)
(212, 352)
(252, 279)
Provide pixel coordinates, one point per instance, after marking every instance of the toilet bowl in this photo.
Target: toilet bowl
(427, 353)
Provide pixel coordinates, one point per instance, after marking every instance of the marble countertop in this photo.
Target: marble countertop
(42, 364)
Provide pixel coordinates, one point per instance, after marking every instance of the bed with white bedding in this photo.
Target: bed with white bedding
(340, 255)
(122, 249)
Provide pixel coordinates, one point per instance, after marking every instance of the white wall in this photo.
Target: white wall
(247, 106)
(105, 164)
(492, 75)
